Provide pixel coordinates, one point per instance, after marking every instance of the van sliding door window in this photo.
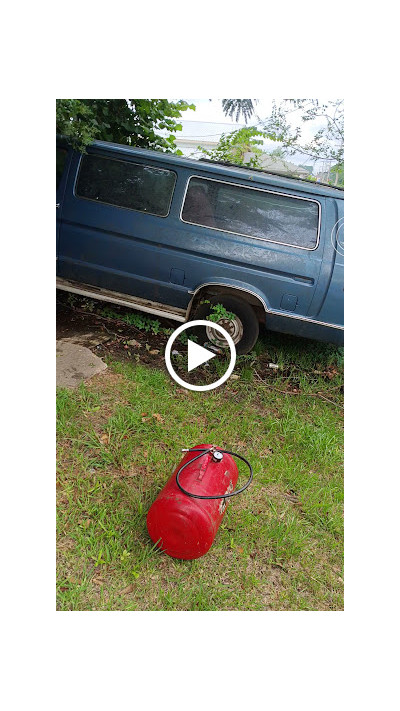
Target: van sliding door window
(251, 212)
(124, 184)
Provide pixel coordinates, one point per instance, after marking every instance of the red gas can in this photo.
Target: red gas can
(185, 527)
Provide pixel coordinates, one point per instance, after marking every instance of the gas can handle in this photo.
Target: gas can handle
(213, 450)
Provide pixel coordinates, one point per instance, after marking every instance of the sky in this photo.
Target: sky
(211, 110)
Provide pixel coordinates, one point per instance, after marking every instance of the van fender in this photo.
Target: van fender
(255, 296)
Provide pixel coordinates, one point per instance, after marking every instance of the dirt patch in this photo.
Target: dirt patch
(107, 336)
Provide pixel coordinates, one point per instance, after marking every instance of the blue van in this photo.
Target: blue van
(174, 237)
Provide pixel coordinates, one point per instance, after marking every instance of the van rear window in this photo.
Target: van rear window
(125, 184)
(252, 212)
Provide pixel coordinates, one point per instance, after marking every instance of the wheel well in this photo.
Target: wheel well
(215, 290)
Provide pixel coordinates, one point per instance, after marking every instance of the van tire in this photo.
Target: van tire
(244, 331)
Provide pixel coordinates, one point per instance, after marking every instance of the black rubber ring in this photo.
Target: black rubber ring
(202, 453)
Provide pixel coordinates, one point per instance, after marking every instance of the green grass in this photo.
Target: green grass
(280, 545)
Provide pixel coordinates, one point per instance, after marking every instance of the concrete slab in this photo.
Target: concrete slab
(75, 363)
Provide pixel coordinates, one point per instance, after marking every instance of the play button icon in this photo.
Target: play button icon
(198, 355)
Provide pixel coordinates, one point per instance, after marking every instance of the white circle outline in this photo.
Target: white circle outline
(199, 388)
(337, 245)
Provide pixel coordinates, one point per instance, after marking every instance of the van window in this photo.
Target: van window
(126, 184)
(252, 212)
(61, 156)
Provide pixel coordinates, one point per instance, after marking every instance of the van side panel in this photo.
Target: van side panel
(115, 248)
(207, 255)
(305, 328)
(325, 318)
(332, 310)
(63, 166)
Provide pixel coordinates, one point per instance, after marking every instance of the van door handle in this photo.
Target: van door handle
(57, 204)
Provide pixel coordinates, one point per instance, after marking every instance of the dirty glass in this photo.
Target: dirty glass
(116, 182)
(251, 212)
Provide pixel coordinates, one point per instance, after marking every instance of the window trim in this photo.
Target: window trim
(122, 207)
(265, 190)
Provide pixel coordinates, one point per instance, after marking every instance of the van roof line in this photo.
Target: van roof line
(269, 172)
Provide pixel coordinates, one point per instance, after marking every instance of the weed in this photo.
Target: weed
(218, 312)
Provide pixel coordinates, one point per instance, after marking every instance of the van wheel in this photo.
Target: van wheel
(243, 328)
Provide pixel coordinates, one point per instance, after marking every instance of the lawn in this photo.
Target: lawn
(120, 435)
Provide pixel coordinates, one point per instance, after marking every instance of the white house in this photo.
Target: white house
(202, 133)
(280, 165)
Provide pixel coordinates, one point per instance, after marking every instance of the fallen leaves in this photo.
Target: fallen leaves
(164, 446)
(331, 371)
(135, 471)
(126, 591)
(294, 499)
(85, 522)
(156, 415)
(66, 544)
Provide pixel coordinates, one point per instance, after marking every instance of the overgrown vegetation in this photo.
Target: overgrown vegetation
(135, 122)
(140, 320)
(233, 147)
(323, 151)
(327, 142)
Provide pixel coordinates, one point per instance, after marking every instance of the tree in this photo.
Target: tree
(233, 146)
(336, 175)
(327, 143)
(235, 107)
(133, 122)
